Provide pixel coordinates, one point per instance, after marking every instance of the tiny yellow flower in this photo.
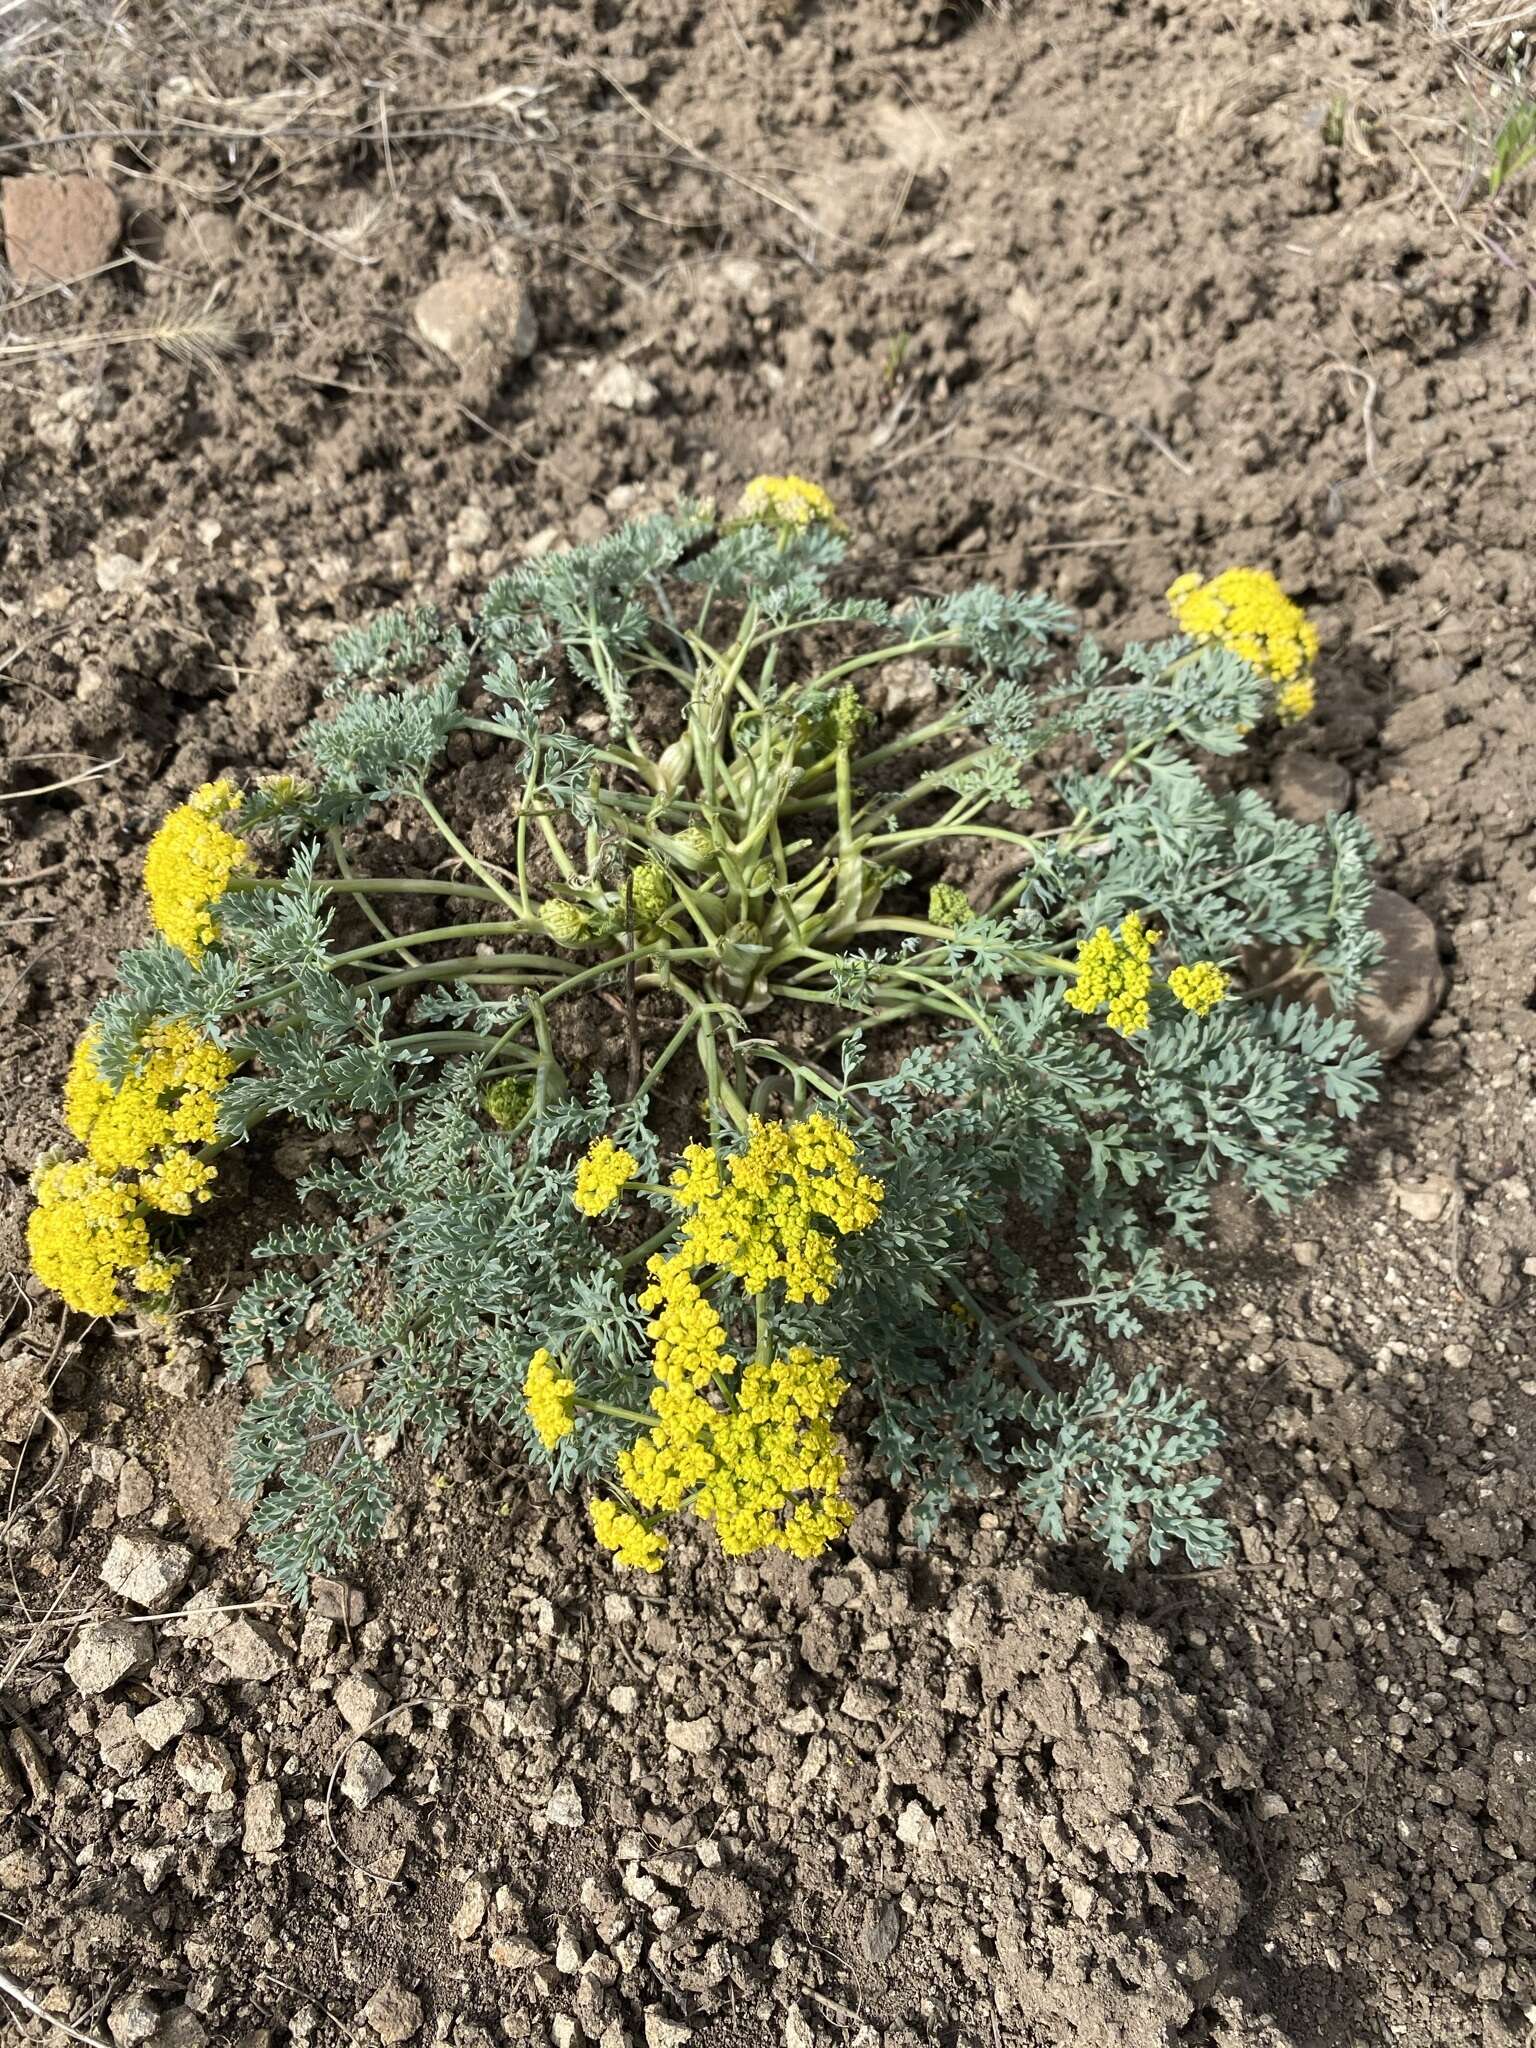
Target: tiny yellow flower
(189, 865)
(1200, 986)
(788, 501)
(632, 1541)
(602, 1177)
(551, 1400)
(87, 1231)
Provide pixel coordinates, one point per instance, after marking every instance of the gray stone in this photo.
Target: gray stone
(364, 1775)
(515, 1952)
(1408, 983)
(248, 1650)
(23, 1870)
(914, 1826)
(148, 1570)
(662, 2032)
(338, 1601)
(265, 1829)
(474, 1904)
(1426, 1200)
(122, 1748)
(107, 1652)
(180, 2028)
(695, 1738)
(481, 322)
(133, 2020)
(360, 1700)
(204, 1766)
(565, 1809)
(166, 1721)
(1315, 1364)
(393, 2013)
(622, 386)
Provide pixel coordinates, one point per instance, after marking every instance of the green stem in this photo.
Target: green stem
(619, 1414)
(339, 855)
(464, 853)
(642, 1252)
(347, 885)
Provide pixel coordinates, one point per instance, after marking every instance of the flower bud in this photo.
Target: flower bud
(568, 924)
(508, 1101)
(695, 849)
(674, 764)
(651, 892)
(948, 906)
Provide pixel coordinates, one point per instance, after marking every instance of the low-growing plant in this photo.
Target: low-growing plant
(927, 1043)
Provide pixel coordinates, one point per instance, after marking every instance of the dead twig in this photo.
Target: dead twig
(20, 796)
(1367, 411)
(1142, 431)
(12, 1989)
(37, 875)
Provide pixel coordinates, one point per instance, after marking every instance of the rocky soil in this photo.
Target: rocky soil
(1075, 298)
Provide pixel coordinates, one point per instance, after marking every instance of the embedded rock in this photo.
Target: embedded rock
(108, 1652)
(364, 1775)
(481, 322)
(1408, 982)
(247, 1650)
(147, 1570)
(265, 1829)
(58, 227)
(393, 2013)
(623, 387)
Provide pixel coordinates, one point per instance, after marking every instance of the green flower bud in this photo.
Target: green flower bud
(674, 764)
(949, 906)
(567, 923)
(846, 717)
(651, 893)
(508, 1101)
(695, 848)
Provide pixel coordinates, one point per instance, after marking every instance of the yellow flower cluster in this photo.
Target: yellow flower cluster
(551, 1399)
(1116, 971)
(89, 1227)
(776, 1457)
(602, 1176)
(88, 1230)
(763, 1465)
(1246, 611)
(632, 1541)
(749, 1449)
(169, 1099)
(788, 501)
(188, 867)
(756, 1217)
(687, 1337)
(1199, 986)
